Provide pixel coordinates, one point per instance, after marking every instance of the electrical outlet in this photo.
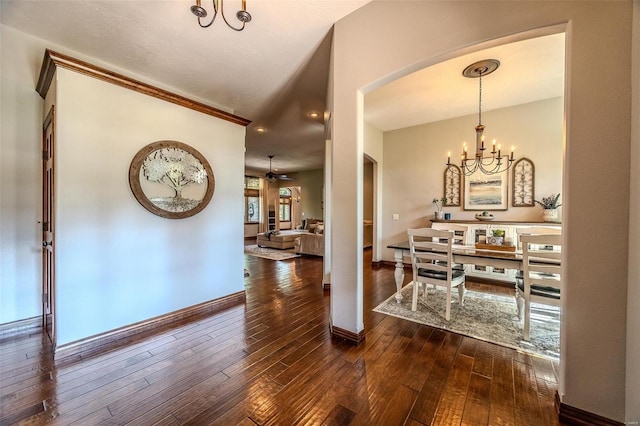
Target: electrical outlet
(395, 216)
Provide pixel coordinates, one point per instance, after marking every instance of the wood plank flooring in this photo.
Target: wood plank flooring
(273, 362)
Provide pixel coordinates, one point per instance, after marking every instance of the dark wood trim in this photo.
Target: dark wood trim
(569, 415)
(128, 334)
(20, 326)
(349, 336)
(326, 286)
(54, 59)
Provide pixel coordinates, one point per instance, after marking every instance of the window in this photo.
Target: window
(285, 205)
(251, 199)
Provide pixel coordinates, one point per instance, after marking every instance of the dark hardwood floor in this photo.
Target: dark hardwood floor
(273, 362)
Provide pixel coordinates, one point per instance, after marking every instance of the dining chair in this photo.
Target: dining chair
(542, 274)
(530, 230)
(432, 263)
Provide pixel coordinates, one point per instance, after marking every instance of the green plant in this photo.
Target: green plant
(439, 203)
(550, 202)
(498, 232)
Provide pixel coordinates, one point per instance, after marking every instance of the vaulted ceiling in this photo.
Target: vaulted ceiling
(275, 72)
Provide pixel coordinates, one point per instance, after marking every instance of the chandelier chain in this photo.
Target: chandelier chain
(480, 101)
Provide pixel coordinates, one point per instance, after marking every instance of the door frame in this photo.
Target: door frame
(48, 226)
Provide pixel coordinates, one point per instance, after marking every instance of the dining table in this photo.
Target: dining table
(464, 254)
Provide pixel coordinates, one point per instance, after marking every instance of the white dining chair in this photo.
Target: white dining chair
(432, 263)
(530, 230)
(542, 274)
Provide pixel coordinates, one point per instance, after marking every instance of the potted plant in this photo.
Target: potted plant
(550, 207)
(439, 203)
(496, 238)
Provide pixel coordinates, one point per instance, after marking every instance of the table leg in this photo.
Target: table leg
(399, 272)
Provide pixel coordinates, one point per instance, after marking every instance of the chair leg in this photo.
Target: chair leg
(527, 319)
(447, 313)
(519, 303)
(461, 292)
(414, 299)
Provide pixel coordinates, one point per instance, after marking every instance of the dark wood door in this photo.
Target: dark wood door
(48, 265)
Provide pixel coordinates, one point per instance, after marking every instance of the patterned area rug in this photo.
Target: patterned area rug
(270, 253)
(488, 317)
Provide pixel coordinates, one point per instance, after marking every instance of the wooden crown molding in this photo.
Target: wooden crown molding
(53, 59)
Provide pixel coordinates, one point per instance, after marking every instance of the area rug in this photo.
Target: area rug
(270, 253)
(489, 317)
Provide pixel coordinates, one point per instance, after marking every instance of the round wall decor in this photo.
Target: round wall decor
(171, 179)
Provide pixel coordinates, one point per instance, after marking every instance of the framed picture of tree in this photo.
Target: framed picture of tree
(171, 179)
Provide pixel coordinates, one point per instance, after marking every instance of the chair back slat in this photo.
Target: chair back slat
(459, 231)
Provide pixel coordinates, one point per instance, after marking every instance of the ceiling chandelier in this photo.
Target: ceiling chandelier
(242, 15)
(487, 164)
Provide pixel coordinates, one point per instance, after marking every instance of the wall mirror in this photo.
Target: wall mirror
(171, 179)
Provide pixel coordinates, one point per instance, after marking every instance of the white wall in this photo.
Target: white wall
(116, 263)
(311, 184)
(21, 117)
(415, 160)
(597, 132)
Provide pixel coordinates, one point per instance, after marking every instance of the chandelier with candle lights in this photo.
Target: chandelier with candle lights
(242, 15)
(481, 161)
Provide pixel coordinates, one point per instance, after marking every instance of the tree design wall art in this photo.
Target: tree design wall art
(171, 179)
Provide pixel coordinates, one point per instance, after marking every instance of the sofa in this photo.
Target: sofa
(278, 240)
(311, 243)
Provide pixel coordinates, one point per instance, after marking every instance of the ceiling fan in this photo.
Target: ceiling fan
(271, 176)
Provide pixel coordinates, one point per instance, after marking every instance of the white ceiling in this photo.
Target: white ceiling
(275, 71)
(530, 70)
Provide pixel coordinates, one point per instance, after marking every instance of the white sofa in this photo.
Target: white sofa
(310, 243)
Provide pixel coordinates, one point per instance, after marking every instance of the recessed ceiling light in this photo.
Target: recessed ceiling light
(314, 114)
(260, 129)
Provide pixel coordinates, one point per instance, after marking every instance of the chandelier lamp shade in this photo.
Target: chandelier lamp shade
(218, 6)
(488, 163)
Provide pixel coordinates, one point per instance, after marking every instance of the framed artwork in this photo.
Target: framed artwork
(452, 185)
(523, 183)
(486, 192)
(171, 179)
